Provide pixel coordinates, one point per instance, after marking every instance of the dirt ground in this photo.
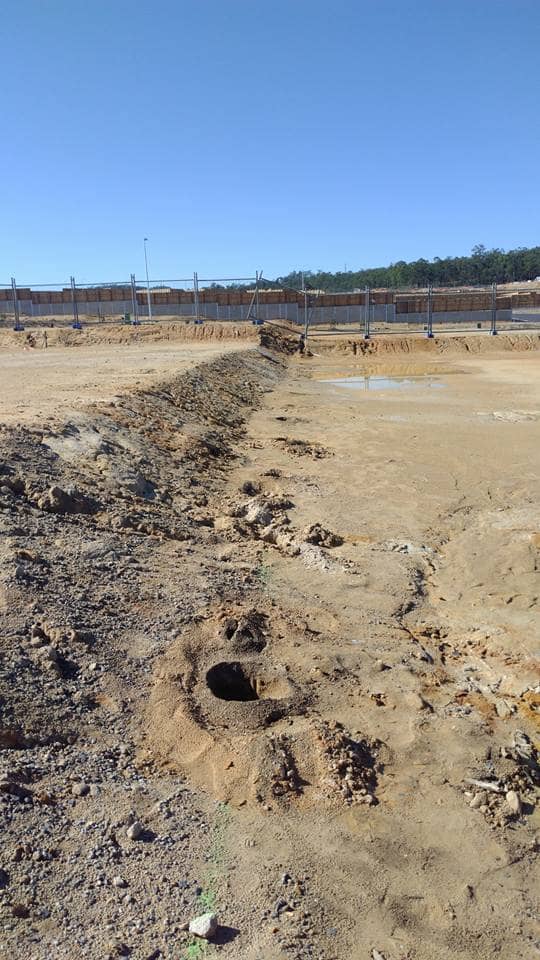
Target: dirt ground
(291, 628)
(40, 380)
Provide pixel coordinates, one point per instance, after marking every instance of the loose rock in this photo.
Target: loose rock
(513, 801)
(204, 926)
(135, 831)
(80, 789)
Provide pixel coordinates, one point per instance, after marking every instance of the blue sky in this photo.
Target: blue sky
(274, 134)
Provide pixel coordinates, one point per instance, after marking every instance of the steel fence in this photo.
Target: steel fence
(256, 299)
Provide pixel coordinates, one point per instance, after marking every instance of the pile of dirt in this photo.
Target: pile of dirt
(280, 337)
(244, 723)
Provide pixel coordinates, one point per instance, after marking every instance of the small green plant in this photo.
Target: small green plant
(195, 950)
(208, 898)
(263, 574)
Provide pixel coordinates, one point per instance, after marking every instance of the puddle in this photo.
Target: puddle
(386, 383)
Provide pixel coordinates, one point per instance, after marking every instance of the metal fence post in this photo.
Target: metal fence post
(257, 279)
(366, 314)
(429, 331)
(77, 325)
(493, 330)
(149, 295)
(196, 296)
(254, 300)
(134, 302)
(18, 325)
(306, 315)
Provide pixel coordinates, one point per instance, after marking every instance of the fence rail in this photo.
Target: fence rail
(369, 311)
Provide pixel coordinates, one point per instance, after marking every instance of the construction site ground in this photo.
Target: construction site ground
(269, 645)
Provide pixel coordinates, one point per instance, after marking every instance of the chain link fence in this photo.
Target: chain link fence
(254, 299)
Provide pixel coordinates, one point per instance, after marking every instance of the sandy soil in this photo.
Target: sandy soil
(321, 613)
(39, 382)
(420, 633)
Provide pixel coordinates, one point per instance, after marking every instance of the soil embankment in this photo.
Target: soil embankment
(450, 344)
(288, 628)
(117, 333)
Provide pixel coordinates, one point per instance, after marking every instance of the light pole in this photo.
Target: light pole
(147, 280)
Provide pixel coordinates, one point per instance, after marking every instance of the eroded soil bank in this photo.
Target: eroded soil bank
(282, 625)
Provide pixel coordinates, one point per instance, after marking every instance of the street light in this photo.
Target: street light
(147, 280)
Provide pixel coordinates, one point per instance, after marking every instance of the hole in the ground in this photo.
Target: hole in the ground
(231, 681)
(231, 626)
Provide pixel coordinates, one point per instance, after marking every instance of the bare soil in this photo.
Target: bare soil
(292, 630)
(41, 377)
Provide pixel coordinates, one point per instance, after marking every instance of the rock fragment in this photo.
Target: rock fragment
(204, 926)
(80, 789)
(71, 500)
(135, 831)
(503, 709)
(513, 802)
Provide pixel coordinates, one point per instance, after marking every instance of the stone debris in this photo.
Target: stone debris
(479, 800)
(322, 537)
(80, 789)
(257, 512)
(70, 500)
(351, 764)
(514, 777)
(303, 448)
(504, 709)
(284, 779)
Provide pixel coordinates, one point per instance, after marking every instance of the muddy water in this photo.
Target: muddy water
(385, 383)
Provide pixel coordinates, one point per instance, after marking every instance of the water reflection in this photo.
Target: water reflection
(384, 383)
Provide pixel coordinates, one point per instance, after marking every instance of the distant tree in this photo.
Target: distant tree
(483, 266)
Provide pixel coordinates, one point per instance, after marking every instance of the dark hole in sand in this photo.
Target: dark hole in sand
(230, 681)
(230, 629)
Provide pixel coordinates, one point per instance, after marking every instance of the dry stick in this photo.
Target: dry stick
(484, 785)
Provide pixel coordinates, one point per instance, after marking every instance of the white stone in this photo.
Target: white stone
(135, 830)
(513, 801)
(204, 926)
(259, 513)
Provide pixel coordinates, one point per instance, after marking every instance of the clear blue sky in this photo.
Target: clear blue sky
(238, 134)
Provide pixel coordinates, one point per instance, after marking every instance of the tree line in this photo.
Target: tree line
(482, 266)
